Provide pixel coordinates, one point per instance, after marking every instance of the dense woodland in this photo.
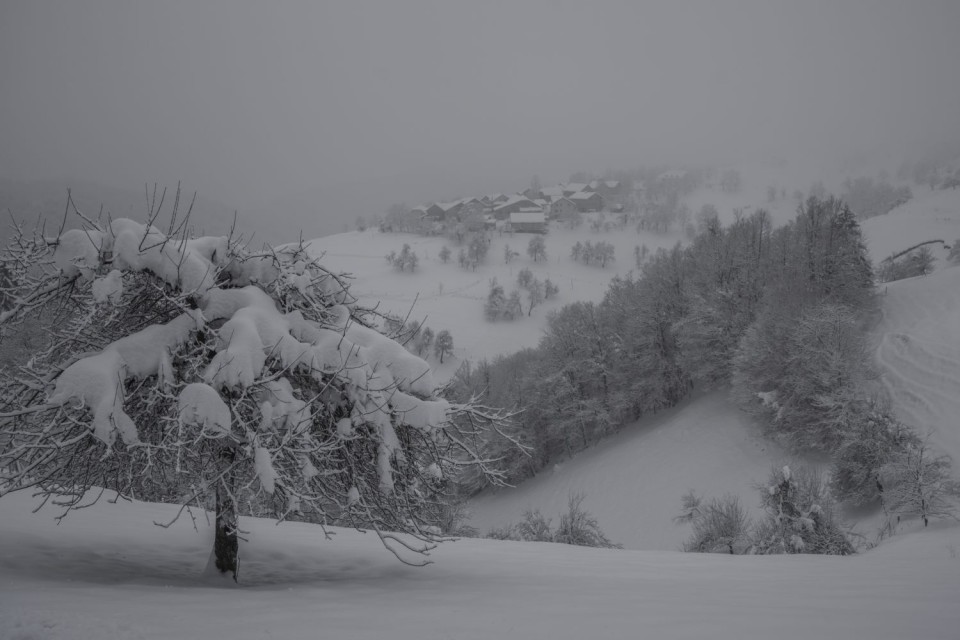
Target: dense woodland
(778, 316)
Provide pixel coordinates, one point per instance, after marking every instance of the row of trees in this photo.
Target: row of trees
(418, 338)
(868, 197)
(599, 253)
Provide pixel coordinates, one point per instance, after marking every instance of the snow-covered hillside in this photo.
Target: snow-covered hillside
(452, 298)
(930, 215)
(107, 573)
(634, 480)
(919, 355)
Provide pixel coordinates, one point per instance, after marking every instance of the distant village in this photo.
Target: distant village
(526, 212)
(651, 199)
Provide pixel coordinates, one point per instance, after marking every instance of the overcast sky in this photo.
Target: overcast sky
(331, 109)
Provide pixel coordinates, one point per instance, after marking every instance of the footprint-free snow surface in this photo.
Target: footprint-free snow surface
(633, 481)
(919, 355)
(108, 573)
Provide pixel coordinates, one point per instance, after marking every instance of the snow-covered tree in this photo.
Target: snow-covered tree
(550, 290)
(719, 526)
(195, 371)
(799, 516)
(868, 446)
(406, 259)
(917, 483)
(445, 254)
(443, 344)
(537, 248)
(535, 295)
(524, 278)
(496, 301)
(424, 341)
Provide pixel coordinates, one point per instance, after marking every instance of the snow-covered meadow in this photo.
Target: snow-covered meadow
(107, 573)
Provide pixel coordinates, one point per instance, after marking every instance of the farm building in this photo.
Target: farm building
(528, 222)
(513, 204)
(563, 209)
(587, 201)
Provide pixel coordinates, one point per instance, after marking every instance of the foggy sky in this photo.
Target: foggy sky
(318, 111)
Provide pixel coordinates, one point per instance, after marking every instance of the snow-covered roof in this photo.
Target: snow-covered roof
(564, 198)
(447, 206)
(612, 184)
(527, 217)
(575, 186)
(553, 192)
(512, 200)
(584, 195)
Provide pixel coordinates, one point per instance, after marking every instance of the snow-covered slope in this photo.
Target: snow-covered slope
(918, 337)
(919, 355)
(452, 298)
(107, 573)
(930, 215)
(634, 480)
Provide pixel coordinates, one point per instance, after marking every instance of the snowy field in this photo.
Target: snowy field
(450, 297)
(634, 480)
(107, 573)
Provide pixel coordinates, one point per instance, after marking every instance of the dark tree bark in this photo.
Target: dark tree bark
(226, 545)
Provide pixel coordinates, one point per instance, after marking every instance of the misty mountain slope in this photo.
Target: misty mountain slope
(108, 573)
(634, 480)
(451, 297)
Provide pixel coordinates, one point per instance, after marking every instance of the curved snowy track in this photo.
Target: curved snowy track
(918, 351)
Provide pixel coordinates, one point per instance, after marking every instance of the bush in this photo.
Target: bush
(800, 516)
(916, 262)
(405, 259)
(719, 526)
(577, 527)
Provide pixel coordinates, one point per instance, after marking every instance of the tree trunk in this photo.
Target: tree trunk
(226, 545)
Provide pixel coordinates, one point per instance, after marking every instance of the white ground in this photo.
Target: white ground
(452, 298)
(107, 572)
(633, 481)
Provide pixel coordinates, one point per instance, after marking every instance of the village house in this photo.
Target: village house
(528, 222)
(587, 201)
(434, 212)
(451, 210)
(552, 193)
(575, 187)
(563, 209)
(513, 204)
(608, 189)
